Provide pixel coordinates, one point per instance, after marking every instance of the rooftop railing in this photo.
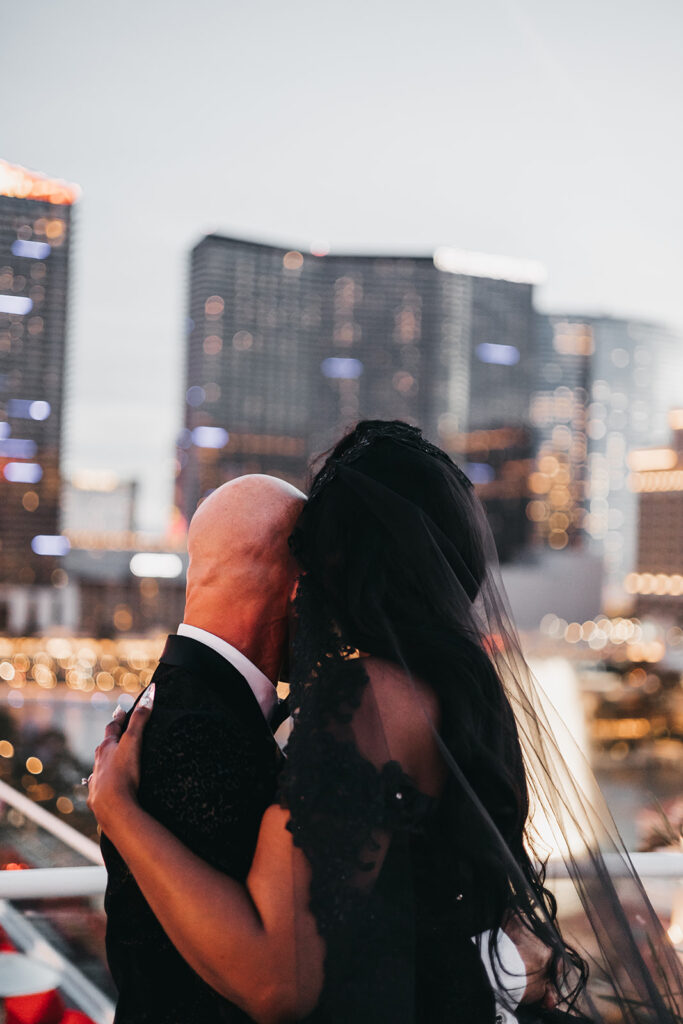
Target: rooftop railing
(65, 883)
(57, 883)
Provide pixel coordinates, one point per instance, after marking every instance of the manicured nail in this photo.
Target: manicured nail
(118, 712)
(147, 698)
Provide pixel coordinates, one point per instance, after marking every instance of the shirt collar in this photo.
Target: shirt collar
(259, 683)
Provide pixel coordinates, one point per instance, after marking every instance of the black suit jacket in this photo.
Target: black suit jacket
(209, 770)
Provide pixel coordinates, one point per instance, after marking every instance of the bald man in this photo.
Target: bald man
(209, 761)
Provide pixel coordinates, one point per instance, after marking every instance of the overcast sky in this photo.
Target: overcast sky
(543, 130)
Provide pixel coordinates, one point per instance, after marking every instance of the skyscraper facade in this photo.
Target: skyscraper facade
(605, 386)
(288, 349)
(558, 506)
(35, 243)
(657, 480)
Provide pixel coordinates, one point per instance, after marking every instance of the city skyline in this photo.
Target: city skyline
(505, 127)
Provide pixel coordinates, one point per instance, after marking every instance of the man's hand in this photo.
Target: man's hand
(114, 782)
(540, 987)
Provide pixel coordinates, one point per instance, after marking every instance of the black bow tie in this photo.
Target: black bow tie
(279, 713)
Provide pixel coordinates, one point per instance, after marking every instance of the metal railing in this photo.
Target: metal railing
(57, 883)
(63, 883)
(53, 883)
(55, 826)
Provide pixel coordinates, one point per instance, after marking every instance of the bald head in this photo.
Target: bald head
(240, 571)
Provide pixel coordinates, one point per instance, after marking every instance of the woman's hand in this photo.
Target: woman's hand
(113, 785)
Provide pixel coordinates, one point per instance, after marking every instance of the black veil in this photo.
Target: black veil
(400, 597)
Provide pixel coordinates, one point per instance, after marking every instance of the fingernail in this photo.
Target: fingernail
(147, 698)
(118, 712)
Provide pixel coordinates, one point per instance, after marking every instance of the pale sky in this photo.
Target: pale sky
(519, 127)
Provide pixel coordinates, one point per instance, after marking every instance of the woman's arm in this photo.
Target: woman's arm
(257, 944)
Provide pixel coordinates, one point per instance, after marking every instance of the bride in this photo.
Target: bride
(404, 827)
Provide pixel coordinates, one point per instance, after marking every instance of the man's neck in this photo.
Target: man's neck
(254, 641)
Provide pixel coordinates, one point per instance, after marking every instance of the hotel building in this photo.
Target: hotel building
(287, 349)
(605, 386)
(656, 480)
(36, 216)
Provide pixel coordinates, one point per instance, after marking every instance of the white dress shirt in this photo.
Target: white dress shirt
(510, 966)
(511, 963)
(259, 683)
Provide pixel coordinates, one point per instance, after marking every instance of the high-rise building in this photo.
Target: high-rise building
(288, 349)
(499, 462)
(605, 386)
(35, 243)
(558, 413)
(657, 481)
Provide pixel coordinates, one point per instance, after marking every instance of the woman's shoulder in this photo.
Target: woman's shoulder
(398, 720)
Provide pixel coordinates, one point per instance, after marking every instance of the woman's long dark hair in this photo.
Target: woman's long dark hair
(390, 523)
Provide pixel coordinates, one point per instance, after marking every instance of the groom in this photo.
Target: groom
(209, 761)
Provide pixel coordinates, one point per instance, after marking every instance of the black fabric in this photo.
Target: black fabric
(209, 770)
(398, 949)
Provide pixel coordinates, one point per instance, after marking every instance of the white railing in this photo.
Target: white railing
(648, 865)
(55, 826)
(62, 883)
(52, 883)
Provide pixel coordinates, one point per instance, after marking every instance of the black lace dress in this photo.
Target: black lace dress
(389, 898)
(399, 951)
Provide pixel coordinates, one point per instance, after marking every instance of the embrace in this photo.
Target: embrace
(380, 870)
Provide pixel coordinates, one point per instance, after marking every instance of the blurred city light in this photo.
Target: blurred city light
(47, 544)
(650, 459)
(480, 472)
(31, 250)
(195, 395)
(39, 410)
(27, 408)
(23, 472)
(292, 260)
(20, 183)
(155, 564)
(18, 448)
(343, 368)
(504, 355)
(210, 437)
(16, 305)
